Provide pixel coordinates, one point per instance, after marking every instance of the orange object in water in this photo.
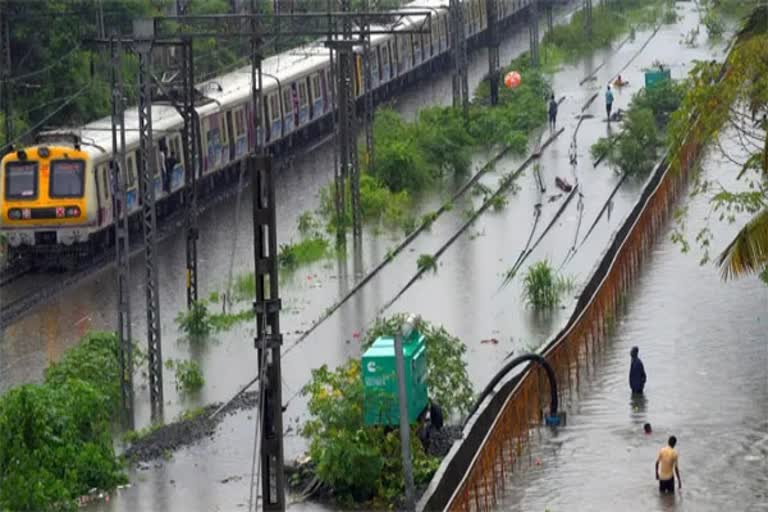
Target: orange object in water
(512, 79)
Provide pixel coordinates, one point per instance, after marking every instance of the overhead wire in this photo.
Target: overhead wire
(40, 123)
(56, 62)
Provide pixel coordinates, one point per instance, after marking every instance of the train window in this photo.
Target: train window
(239, 122)
(316, 87)
(223, 129)
(274, 107)
(131, 171)
(104, 172)
(303, 94)
(21, 180)
(67, 178)
(287, 106)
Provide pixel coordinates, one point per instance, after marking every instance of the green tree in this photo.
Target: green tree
(55, 445)
(735, 101)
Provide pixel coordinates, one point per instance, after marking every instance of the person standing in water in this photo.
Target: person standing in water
(552, 112)
(636, 373)
(667, 468)
(608, 102)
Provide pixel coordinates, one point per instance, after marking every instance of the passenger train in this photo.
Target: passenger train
(55, 196)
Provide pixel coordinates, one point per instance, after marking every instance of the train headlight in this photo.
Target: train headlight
(14, 214)
(43, 152)
(72, 211)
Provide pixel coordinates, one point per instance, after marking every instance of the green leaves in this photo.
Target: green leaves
(189, 376)
(55, 440)
(542, 286)
(359, 463)
(447, 377)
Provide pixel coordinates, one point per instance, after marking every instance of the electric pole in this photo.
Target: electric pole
(492, 35)
(122, 246)
(5, 42)
(588, 16)
(144, 31)
(533, 32)
(459, 46)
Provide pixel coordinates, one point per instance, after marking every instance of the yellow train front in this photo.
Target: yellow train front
(49, 201)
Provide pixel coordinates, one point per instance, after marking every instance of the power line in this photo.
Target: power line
(40, 71)
(45, 119)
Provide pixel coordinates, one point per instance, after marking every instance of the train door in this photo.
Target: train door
(318, 98)
(287, 110)
(416, 45)
(231, 139)
(373, 54)
(303, 102)
(324, 91)
(385, 68)
(273, 114)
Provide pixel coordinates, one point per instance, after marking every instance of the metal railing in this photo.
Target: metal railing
(503, 447)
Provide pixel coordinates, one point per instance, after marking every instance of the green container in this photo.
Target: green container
(656, 76)
(380, 380)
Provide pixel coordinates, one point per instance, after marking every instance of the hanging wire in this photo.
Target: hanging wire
(46, 118)
(56, 62)
(259, 427)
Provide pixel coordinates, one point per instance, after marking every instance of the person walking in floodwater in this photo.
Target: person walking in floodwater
(552, 112)
(636, 372)
(608, 102)
(667, 467)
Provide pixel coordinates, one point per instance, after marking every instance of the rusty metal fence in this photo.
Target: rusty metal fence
(505, 444)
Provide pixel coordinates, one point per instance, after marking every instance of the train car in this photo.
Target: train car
(56, 196)
(49, 196)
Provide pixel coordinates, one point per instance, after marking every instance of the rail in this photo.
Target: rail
(473, 475)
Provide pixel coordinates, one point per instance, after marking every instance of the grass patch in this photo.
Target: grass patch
(188, 374)
(308, 250)
(543, 287)
(426, 262)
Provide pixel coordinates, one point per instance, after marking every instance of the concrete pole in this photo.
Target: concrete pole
(405, 428)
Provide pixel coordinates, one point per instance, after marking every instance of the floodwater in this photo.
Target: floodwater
(464, 295)
(704, 344)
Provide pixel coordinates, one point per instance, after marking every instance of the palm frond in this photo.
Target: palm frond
(756, 23)
(748, 252)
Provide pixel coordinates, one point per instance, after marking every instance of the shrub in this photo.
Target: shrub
(195, 322)
(359, 463)
(306, 251)
(189, 376)
(55, 445)
(94, 360)
(447, 377)
(540, 286)
(426, 262)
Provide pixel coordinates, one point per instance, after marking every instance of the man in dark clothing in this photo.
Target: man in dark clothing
(552, 113)
(170, 163)
(636, 372)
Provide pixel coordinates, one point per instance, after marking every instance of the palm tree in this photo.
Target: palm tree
(735, 96)
(748, 252)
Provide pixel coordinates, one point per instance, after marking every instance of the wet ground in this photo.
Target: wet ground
(464, 294)
(704, 344)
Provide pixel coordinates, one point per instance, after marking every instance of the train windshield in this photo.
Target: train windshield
(67, 178)
(21, 180)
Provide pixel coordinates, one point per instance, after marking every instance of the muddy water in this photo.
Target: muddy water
(464, 295)
(705, 350)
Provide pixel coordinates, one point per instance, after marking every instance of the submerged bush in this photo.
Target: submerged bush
(188, 374)
(306, 251)
(363, 464)
(543, 287)
(55, 445)
(195, 322)
(55, 438)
